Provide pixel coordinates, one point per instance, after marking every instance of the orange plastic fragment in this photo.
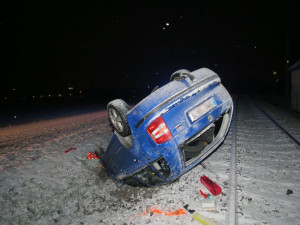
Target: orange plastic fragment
(91, 156)
(177, 212)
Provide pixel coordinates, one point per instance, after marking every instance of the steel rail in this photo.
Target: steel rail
(232, 206)
(275, 121)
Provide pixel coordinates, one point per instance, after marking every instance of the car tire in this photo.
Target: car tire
(117, 110)
(178, 74)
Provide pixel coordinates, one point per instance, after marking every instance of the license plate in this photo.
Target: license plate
(200, 110)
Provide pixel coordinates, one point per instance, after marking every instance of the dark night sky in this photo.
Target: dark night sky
(124, 46)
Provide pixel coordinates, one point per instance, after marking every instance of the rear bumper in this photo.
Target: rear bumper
(172, 164)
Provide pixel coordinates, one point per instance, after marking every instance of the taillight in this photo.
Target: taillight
(159, 131)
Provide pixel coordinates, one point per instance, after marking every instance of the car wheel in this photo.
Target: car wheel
(117, 110)
(177, 75)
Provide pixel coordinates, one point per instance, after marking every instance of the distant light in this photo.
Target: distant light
(15, 117)
(59, 95)
(41, 96)
(181, 17)
(70, 88)
(14, 89)
(287, 61)
(274, 73)
(70, 94)
(255, 47)
(164, 28)
(167, 24)
(49, 96)
(216, 64)
(277, 80)
(33, 96)
(5, 98)
(80, 92)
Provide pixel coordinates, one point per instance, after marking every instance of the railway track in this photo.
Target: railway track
(258, 191)
(231, 215)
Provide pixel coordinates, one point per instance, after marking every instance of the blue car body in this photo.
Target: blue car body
(192, 108)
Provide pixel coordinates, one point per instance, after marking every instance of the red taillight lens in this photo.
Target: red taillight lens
(159, 131)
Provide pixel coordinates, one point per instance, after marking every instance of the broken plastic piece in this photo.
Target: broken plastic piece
(210, 185)
(203, 194)
(208, 204)
(70, 149)
(177, 212)
(91, 156)
(191, 211)
(197, 216)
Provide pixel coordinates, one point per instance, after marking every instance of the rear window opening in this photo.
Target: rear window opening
(195, 146)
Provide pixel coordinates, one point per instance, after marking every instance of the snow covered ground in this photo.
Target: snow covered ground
(40, 184)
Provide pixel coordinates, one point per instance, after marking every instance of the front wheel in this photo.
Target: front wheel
(117, 110)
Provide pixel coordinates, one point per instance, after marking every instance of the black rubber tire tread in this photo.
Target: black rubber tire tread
(121, 108)
(178, 74)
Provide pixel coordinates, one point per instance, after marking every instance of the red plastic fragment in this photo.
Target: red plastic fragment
(91, 156)
(210, 185)
(70, 149)
(203, 194)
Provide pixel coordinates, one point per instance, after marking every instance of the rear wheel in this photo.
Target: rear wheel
(178, 75)
(117, 110)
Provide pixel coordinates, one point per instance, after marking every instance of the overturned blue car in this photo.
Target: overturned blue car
(168, 132)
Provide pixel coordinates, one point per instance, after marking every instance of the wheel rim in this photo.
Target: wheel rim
(116, 120)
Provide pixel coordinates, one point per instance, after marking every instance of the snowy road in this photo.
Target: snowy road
(40, 184)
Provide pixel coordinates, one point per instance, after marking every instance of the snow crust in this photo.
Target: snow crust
(40, 184)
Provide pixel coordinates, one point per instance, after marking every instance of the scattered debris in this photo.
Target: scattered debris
(208, 204)
(203, 194)
(205, 167)
(210, 185)
(91, 156)
(70, 149)
(289, 192)
(197, 216)
(177, 212)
